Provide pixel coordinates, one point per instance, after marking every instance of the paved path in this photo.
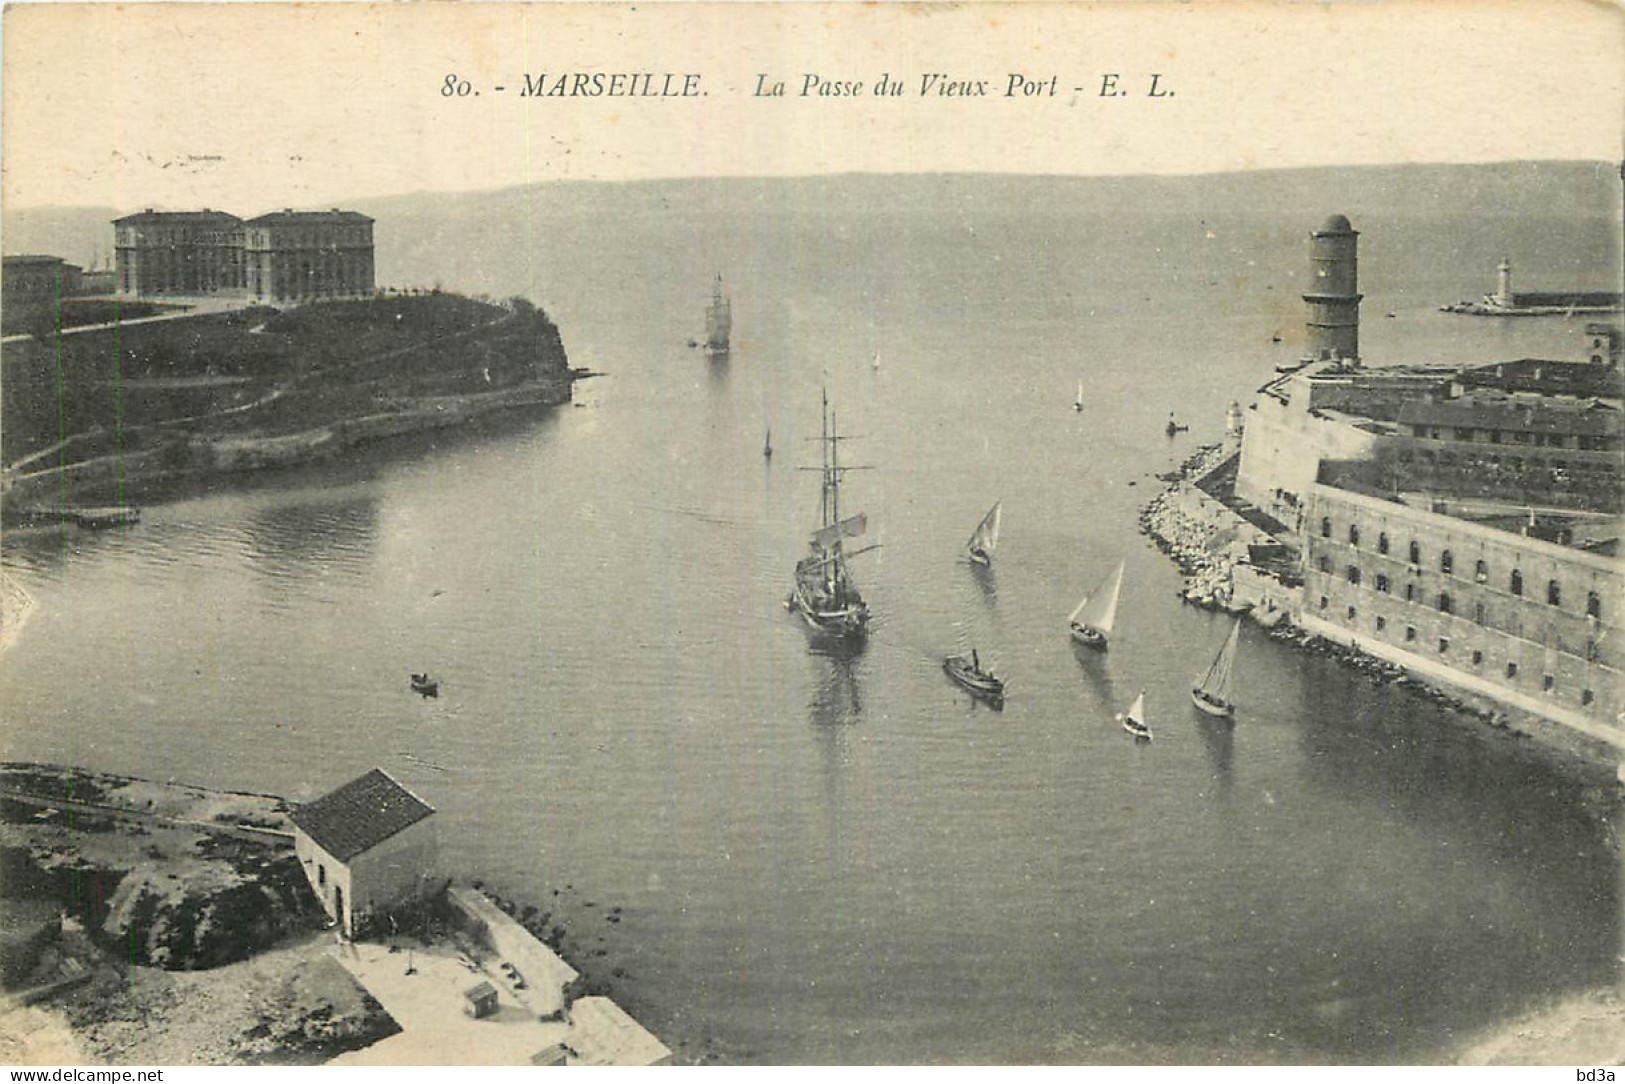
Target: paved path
(428, 1005)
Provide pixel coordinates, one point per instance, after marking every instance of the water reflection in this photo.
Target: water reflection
(985, 579)
(1218, 744)
(305, 539)
(836, 699)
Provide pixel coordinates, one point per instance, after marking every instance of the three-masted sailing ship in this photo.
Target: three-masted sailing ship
(1091, 622)
(719, 321)
(1211, 690)
(986, 536)
(825, 596)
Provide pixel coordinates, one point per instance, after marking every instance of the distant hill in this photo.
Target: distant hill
(413, 228)
(1496, 189)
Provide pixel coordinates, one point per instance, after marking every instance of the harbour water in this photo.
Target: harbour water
(843, 858)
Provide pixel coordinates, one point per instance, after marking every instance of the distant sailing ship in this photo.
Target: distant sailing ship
(1077, 404)
(1134, 719)
(767, 444)
(825, 596)
(1211, 690)
(718, 321)
(986, 536)
(1091, 623)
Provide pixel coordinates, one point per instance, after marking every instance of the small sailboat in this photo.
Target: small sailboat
(425, 686)
(874, 363)
(1174, 426)
(1211, 690)
(1091, 623)
(1134, 719)
(1077, 404)
(981, 683)
(767, 444)
(986, 536)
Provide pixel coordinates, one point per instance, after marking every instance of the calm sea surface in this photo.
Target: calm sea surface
(845, 859)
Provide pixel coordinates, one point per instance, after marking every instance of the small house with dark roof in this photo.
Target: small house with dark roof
(366, 847)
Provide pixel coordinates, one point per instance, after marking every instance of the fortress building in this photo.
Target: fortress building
(287, 256)
(1334, 298)
(1461, 522)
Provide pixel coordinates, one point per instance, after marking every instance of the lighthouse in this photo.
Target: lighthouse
(1334, 294)
(1503, 284)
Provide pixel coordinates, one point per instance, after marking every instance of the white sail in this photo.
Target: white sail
(1099, 610)
(850, 527)
(875, 363)
(1215, 682)
(986, 535)
(1137, 712)
(1077, 403)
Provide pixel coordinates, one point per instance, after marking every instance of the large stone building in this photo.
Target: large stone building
(178, 252)
(307, 255)
(1511, 617)
(1461, 523)
(366, 847)
(1527, 430)
(280, 257)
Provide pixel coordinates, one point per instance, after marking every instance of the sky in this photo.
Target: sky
(258, 106)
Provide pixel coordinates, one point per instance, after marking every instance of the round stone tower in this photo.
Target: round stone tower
(1334, 296)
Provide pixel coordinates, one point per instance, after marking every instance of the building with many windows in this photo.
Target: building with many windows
(284, 256)
(160, 253)
(307, 255)
(1515, 618)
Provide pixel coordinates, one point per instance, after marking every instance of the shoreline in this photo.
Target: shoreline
(148, 475)
(1204, 536)
(16, 604)
(198, 894)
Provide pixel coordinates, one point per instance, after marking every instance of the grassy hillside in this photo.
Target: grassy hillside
(260, 372)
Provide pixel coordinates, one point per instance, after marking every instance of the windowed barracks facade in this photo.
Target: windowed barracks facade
(1518, 619)
(286, 256)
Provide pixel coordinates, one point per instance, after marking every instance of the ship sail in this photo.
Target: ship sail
(1094, 617)
(1211, 691)
(850, 527)
(986, 536)
(1134, 719)
(718, 319)
(1077, 404)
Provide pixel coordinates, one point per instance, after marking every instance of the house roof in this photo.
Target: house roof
(360, 815)
(205, 217)
(308, 218)
(1548, 377)
(1548, 416)
(25, 258)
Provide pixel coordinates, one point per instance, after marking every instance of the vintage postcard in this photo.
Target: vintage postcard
(812, 533)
